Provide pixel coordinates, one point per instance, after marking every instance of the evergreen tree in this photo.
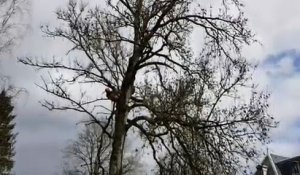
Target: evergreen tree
(7, 136)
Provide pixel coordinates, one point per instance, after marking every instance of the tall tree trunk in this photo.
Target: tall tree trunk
(115, 167)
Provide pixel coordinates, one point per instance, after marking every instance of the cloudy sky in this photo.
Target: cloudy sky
(43, 134)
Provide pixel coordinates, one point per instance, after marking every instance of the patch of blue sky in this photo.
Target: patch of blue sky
(297, 124)
(292, 55)
(290, 135)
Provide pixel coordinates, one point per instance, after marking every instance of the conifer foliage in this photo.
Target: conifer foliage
(7, 136)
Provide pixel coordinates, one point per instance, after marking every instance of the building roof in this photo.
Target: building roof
(277, 158)
(278, 165)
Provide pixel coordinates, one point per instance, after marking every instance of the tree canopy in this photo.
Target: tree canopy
(180, 101)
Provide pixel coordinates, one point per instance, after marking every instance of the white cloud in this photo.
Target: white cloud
(275, 23)
(286, 66)
(277, 28)
(281, 76)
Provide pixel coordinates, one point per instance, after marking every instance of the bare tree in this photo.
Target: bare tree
(179, 101)
(12, 25)
(89, 154)
(173, 163)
